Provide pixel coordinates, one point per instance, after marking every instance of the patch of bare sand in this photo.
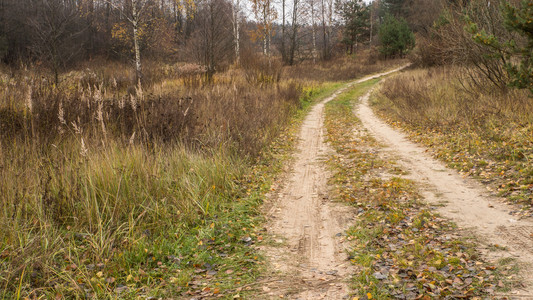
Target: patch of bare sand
(463, 200)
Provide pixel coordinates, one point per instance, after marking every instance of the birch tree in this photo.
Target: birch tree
(294, 32)
(132, 11)
(236, 19)
(265, 13)
(312, 7)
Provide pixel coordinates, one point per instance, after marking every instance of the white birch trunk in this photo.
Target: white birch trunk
(135, 24)
(313, 30)
(236, 33)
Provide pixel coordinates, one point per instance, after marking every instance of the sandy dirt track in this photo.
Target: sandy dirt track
(463, 200)
(309, 259)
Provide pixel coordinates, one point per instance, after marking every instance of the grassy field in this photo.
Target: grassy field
(481, 131)
(112, 190)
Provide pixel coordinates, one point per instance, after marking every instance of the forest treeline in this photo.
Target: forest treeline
(58, 34)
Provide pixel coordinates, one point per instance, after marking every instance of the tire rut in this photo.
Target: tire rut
(311, 263)
(463, 200)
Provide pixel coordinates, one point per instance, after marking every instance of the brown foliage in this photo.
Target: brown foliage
(191, 112)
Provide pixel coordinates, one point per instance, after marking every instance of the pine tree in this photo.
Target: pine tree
(515, 54)
(356, 20)
(395, 36)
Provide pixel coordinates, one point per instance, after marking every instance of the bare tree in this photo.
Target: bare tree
(312, 5)
(236, 19)
(132, 11)
(325, 31)
(212, 40)
(266, 14)
(294, 32)
(57, 34)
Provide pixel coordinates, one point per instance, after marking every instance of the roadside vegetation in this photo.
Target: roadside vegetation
(401, 248)
(482, 132)
(111, 190)
(468, 94)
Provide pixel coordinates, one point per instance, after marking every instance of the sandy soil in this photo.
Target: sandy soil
(307, 254)
(463, 200)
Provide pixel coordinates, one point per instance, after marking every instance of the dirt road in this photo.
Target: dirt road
(309, 259)
(307, 252)
(463, 200)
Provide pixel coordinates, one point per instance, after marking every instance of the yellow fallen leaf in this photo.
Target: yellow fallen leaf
(369, 296)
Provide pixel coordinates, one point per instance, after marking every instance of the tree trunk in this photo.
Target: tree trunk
(269, 38)
(325, 52)
(313, 30)
(371, 22)
(107, 16)
(135, 23)
(211, 44)
(236, 33)
(294, 32)
(330, 22)
(283, 52)
(266, 31)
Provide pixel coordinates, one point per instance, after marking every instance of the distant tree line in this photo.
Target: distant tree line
(493, 40)
(495, 37)
(57, 34)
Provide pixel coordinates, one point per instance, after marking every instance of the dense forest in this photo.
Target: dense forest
(59, 35)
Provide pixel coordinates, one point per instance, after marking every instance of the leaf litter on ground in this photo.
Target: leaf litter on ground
(402, 248)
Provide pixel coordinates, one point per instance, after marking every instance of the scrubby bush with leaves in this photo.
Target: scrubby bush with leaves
(516, 53)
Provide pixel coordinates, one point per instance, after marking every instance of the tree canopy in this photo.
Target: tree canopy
(395, 36)
(355, 15)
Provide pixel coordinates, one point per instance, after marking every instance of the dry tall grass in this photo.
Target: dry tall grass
(91, 167)
(480, 130)
(438, 97)
(342, 68)
(101, 179)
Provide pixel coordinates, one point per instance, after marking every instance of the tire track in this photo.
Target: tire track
(464, 200)
(312, 262)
